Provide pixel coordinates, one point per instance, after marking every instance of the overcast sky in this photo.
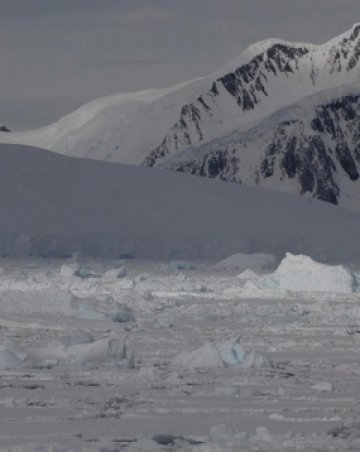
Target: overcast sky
(58, 54)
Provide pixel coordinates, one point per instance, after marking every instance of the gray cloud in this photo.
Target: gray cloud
(75, 50)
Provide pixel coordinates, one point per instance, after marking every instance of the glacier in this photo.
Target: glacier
(57, 206)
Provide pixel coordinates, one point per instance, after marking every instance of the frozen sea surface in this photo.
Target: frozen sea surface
(89, 357)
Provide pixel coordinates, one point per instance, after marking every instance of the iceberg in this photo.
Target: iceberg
(300, 273)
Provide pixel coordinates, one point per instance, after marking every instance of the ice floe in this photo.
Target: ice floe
(79, 350)
(226, 354)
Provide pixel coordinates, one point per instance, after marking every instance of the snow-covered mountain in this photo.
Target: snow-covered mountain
(54, 205)
(312, 147)
(268, 76)
(145, 126)
(282, 115)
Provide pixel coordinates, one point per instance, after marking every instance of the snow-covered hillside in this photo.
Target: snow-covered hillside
(312, 148)
(144, 126)
(268, 76)
(53, 205)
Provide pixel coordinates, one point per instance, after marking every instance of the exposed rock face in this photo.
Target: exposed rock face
(247, 85)
(275, 65)
(318, 153)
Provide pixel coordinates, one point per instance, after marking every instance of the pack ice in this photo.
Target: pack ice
(81, 350)
(299, 273)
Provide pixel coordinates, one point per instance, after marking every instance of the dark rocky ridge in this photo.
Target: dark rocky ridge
(247, 85)
(316, 152)
(250, 84)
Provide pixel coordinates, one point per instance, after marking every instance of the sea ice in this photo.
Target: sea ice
(181, 265)
(114, 273)
(69, 270)
(109, 351)
(122, 315)
(8, 360)
(323, 386)
(226, 354)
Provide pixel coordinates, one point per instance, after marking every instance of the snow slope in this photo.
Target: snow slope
(120, 128)
(53, 205)
(145, 126)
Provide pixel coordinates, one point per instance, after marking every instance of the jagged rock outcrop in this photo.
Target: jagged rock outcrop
(276, 69)
(317, 154)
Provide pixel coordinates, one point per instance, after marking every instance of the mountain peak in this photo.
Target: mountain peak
(349, 36)
(355, 29)
(260, 48)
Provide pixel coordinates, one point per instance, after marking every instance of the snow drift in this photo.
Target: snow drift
(53, 206)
